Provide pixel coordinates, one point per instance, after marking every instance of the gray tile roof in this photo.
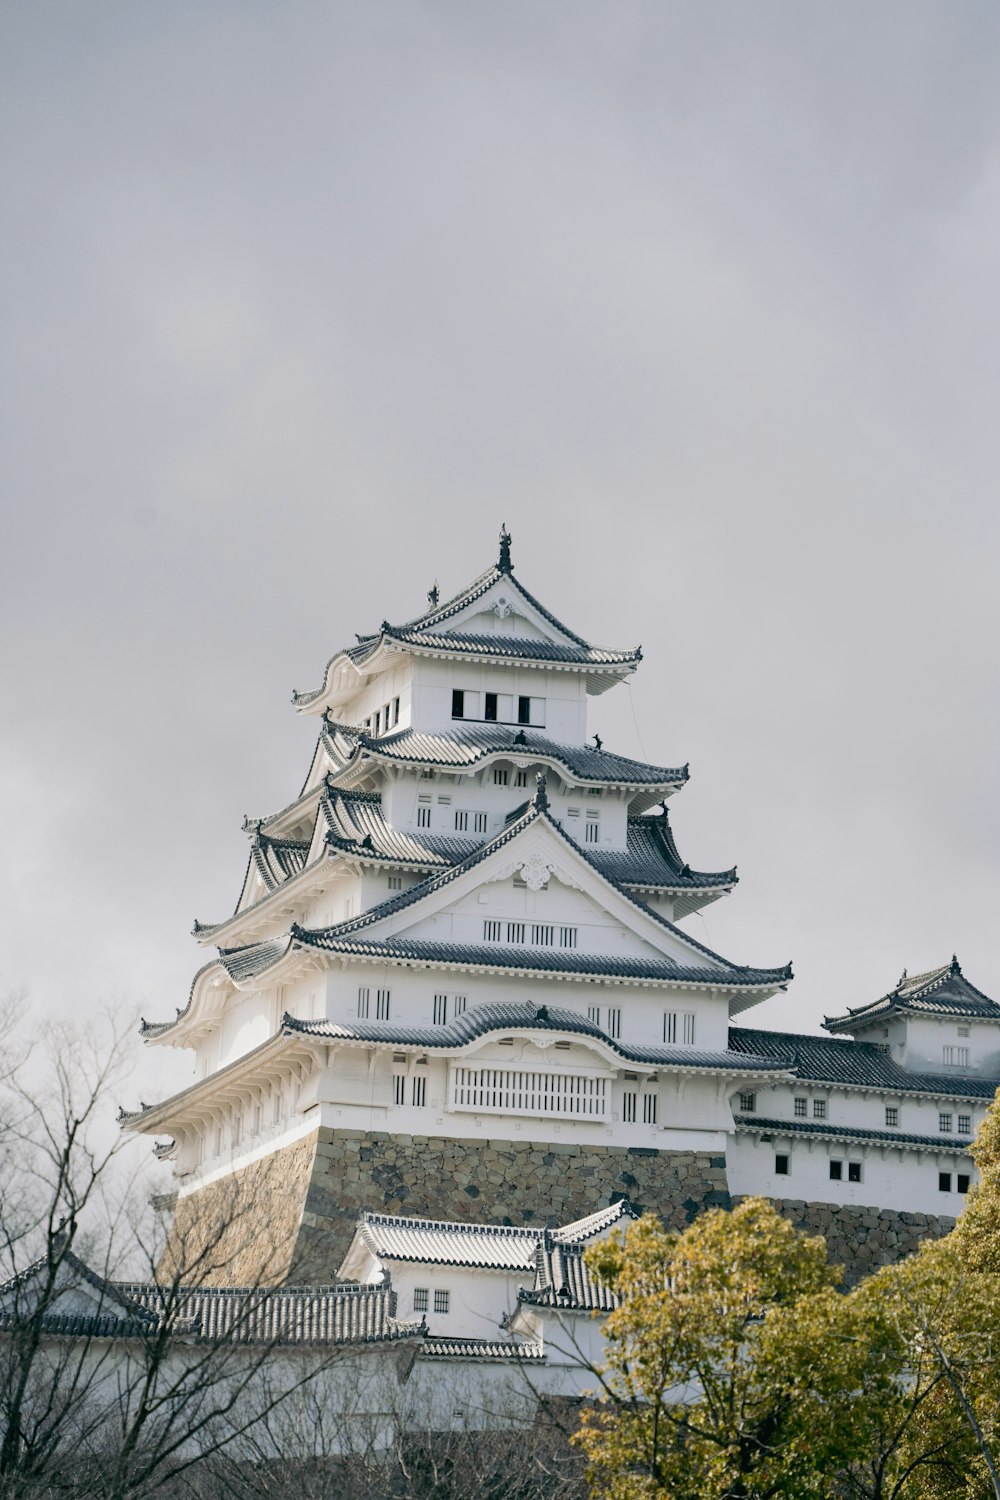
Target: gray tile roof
(467, 746)
(937, 992)
(428, 625)
(480, 1020)
(283, 1315)
(563, 1280)
(357, 825)
(443, 1348)
(102, 1325)
(822, 1059)
(602, 1218)
(508, 648)
(651, 860)
(851, 1133)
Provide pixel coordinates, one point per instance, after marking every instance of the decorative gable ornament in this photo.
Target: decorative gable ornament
(536, 871)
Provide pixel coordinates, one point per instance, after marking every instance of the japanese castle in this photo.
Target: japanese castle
(457, 987)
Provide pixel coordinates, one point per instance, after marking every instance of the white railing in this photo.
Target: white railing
(515, 1091)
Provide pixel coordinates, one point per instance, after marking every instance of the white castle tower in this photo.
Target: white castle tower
(454, 984)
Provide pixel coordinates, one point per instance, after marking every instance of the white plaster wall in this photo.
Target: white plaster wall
(865, 1108)
(927, 1038)
(565, 694)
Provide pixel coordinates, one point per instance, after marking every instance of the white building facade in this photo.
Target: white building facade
(457, 984)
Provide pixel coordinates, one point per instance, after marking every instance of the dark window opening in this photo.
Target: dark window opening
(854, 1171)
(491, 708)
(836, 1171)
(963, 1182)
(944, 1182)
(781, 1166)
(457, 703)
(524, 710)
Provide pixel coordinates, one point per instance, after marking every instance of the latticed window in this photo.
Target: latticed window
(382, 998)
(399, 1088)
(421, 1298)
(649, 1109)
(567, 937)
(819, 1109)
(459, 1005)
(515, 932)
(543, 935)
(594, 1014)
(440, 1010)
(442, 1301)
(748, 1104)
(944, 1123)
(479, 823)
(491, 932)
(500, 776)
(965, 1124)
(629, 1103)
(364, 1001)
(522, 1092)
(614, 1026)
(892, 1116)
(800, 1109)
(419, 1090)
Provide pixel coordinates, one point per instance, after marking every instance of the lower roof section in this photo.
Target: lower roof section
(754, 1124)
(822, 1059)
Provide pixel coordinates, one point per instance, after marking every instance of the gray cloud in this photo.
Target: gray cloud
(302, 301)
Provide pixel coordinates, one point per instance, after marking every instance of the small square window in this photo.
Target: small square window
(854, 1171)
(836, 1171)
(944, 1182)
(748, 1104)
(944, 1123)
(442, 1301)
(963, 1183)
(819, 1109)
(965, 1124)
(781, 1167)
(892, 1116)
(801, 1109)
(421, 1299)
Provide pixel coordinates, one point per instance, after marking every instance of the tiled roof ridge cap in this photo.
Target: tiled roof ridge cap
(382, 746)
(400, 1221)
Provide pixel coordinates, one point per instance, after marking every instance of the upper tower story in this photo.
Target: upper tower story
(492, 656)
(935, 1022)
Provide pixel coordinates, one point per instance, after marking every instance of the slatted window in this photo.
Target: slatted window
(521, 779)
(629, 1103)
(748, 1104)
(395, 882)
(594, 1014)
(955, 1057)
(512, 1091)
(614, 1026)
(421, 1299)
(442, 1301)
(419, 1090)
(424, 811)
(440, 1010)
(801, 1109)
(670, 1027)
(689, 1028)
(395, 712)
(819, 1109)
(461, 822)
(567, 937)
(515, 932)
(892, 1116)
(459, 1005)
(382, 998)
(501, 776)
(965, 1124)
(542, 935)
(399, 1088)
(944, 1123)
(479, 822)
(364, 1002)
(491, 932)
(592, 834)
(649, 1109)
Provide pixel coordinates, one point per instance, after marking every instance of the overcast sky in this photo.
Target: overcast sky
(302, 300)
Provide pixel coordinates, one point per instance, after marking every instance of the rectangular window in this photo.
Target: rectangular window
(963, 1031)
(567, 937)
(419, 1095)
(461, 822)
(490, 714)
(258, 1117)
(748, 1104)
(440, 1010)
(378, 721)
(479, 822)
(395, 712)
(517, 1091)
(819, 1109)
(962, 1183)
(442, 1301)
(515, 932)
(236, 1131)
(421, 1299)
(854, 1171)
(800, 1109)
(399, 1088)
(614, 1027)
(542, 935)
(955, 1057)
(459, 1005)
(629, 1099)
(364, 998)
(965, 1124)
(836, 1171)
(944, 1123)
(395, 882)
(892, 1116)
(500, 776)
(423, 817)
(572, 812)
(594, 1014)
(593, 830)
(670, 1026)
(444, 801)
(944, 1182)
(458, 704)
(491, 932)
(781, 1166)
(382, 1005)
(649, 1109)
(524, 710)
(689, 1028)
(521, 779)
(218, 1140)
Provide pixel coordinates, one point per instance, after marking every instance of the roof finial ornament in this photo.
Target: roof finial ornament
(598, 742)
(956, 967)
(504, 564)
(540, 801)
(434, 595)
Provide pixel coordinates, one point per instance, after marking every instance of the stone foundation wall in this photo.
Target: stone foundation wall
(243, 1229)
(862, 1239)
(512, 1182)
